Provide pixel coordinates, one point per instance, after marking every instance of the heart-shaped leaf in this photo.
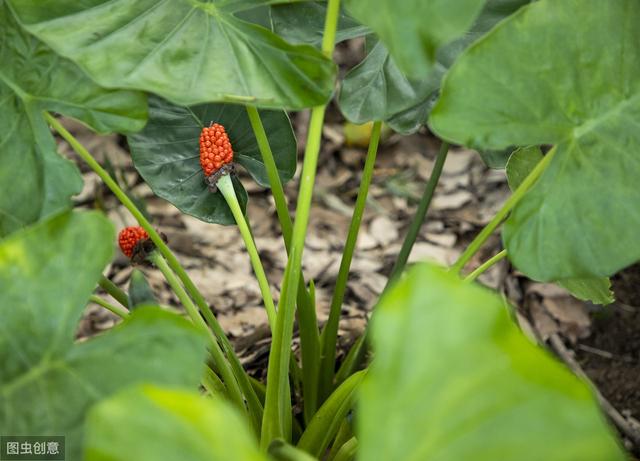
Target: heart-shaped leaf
(148, 423)
(414, 30)
(594, 289)
(167, 155)
(188, 52)
(454, 379)
(47, 382)
(376, 89)
(33, 78)
(577, 89)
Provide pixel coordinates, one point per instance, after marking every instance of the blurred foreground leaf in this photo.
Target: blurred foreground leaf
(454, 379)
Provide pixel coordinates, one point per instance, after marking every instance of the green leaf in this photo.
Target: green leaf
(576, 89)
(186, 51)
(282, 451)
(148, 423)
(140, 293)
(454, 379)
(33, 78)
(376, 89)
(167, 154)
(325, 423)
(303, 22)
(594, 289)
(521, 162)
(47, 382)
(414, 30)
(496, 158)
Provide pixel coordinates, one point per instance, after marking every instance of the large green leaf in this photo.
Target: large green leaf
(33, 78)
(577, 89)
(413, 30)
(186, 51)
(377, 89)
(303, 22)
(595, 289)
(454, 379)
(167, 155)
(149, 423)
(47, 382)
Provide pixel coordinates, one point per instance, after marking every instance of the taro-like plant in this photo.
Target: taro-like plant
(202, 89)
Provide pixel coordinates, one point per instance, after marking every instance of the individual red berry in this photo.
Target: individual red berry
(129, 237)
(215, 149)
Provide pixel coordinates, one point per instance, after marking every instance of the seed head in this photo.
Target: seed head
(215, 149)
(130, 237)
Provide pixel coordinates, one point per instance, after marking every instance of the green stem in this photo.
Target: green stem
(115, 292)
(240, 374)
(277, 412)
(226, 187)
(330, 332)
(522, 189)
(309, 335)
(272, 173)
(216, 352)
(420, 215)
(486, 265)
(119, 311)
(358, 351)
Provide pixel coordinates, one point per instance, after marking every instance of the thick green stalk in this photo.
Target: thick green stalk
(241, 375)
(119, 311)
(485, 265)
(226, 187)
(216, 352)
(115, 292)
(522, 189)
(419, 216)
(277, 412)
(330, 332)
(309, 335)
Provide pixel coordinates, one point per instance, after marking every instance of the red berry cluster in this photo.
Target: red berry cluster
(129, 238)
(215, 149)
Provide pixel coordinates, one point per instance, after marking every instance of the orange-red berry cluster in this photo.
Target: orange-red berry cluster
(129, 238)
(215, 149)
